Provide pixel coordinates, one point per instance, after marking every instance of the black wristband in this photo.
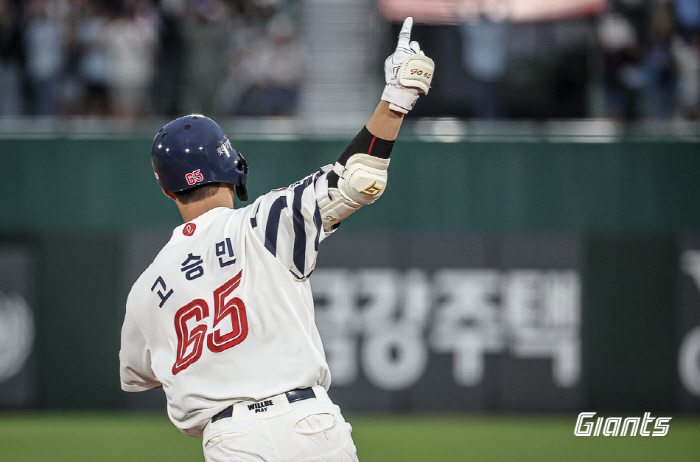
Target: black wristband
(366, 143)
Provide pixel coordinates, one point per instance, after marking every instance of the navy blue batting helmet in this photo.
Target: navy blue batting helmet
(192, 151)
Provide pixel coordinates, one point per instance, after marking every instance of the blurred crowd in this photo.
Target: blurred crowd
(135, 58)
(651, 59)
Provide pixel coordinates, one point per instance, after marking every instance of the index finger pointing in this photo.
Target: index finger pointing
(405, 34)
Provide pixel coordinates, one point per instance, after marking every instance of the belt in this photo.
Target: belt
(298, 394)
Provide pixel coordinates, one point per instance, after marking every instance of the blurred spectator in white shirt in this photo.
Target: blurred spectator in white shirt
(206, 29)
(131, 40)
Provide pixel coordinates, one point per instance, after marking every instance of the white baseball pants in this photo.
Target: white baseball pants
(311, 430)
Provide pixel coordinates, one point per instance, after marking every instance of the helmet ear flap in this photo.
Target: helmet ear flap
(242, 192)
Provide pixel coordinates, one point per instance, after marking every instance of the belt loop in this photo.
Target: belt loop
(300, 394)
(292, 396)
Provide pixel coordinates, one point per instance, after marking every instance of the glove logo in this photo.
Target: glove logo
(371, 190)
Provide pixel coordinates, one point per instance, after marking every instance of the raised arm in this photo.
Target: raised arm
(359, 176)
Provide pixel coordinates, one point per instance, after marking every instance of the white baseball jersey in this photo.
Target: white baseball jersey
(225, 313)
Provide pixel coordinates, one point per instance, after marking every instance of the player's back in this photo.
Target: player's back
(218, 317)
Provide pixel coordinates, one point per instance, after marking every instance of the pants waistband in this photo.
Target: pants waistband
(298, 394)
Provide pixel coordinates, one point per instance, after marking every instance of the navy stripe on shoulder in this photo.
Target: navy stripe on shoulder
(299, 254)
(254, 218)
(273, 224)
(318, 223)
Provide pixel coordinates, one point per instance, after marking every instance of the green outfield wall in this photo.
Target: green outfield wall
(587, 256)
(108, 184)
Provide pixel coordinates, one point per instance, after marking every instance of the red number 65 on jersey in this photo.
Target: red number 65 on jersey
(190, 343)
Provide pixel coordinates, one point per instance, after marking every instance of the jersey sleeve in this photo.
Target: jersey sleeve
(288, 222)
(134, 358)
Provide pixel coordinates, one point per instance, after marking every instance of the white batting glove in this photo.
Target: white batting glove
(407, 71)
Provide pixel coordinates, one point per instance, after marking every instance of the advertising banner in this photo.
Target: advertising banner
(18, 381)
(688, 394)
(434, 322)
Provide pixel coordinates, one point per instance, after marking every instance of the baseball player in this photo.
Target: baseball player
(223, 319)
